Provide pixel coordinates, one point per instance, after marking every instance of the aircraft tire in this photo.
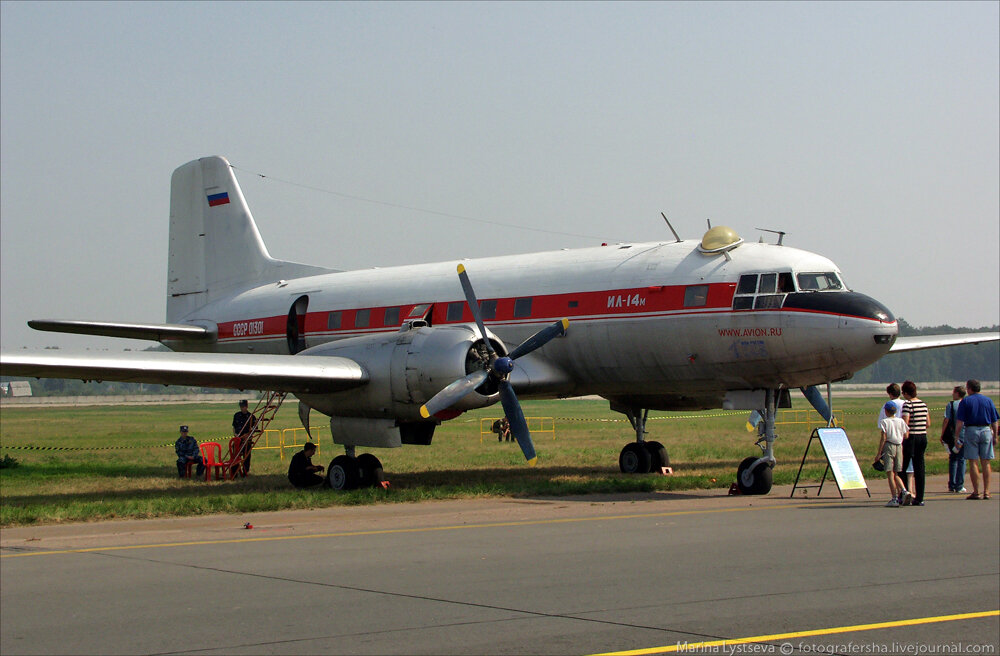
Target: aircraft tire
(763, 477)
(657, 456)
(634, 459)
(370, 469)
(343, 473)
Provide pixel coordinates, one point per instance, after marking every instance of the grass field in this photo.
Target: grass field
(120, 462)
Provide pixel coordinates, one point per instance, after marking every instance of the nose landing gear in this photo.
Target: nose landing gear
(755, 475)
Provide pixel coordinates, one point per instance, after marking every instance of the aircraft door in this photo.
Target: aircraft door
(295, 330)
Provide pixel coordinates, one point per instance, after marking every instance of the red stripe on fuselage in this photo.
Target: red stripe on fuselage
(544, 308)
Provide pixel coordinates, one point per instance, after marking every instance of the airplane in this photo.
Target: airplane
(388, 354)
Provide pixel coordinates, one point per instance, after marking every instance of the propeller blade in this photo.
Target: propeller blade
(518, 426)
(539, 339)
(470, 298)
(452, 394)
(815, 398)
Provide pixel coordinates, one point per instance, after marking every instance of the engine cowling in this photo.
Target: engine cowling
(406, 369)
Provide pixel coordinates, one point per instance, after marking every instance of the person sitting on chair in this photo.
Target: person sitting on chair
(301, 471)
(187, 451)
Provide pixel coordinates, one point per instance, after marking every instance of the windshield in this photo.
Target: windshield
(819, 282)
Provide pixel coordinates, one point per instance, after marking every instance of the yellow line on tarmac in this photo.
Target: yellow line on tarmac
(425, 529)
(683, 647)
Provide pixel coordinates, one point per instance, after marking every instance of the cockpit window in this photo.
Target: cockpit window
(819, 282)
(748, 284)
(763, 291)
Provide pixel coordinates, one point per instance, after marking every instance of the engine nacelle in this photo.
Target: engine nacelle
(406, 369)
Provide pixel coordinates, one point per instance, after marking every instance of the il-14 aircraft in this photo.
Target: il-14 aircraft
(388, 354)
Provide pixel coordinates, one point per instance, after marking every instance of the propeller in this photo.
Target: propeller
(498, 368)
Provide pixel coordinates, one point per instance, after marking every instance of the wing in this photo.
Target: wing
(937, 341)
(152, 331)
(285, 373)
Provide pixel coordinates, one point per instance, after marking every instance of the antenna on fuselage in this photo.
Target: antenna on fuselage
(709, 221)
(780, 233)
(670, 226)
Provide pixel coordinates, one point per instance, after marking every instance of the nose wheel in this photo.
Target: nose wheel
(755, 475)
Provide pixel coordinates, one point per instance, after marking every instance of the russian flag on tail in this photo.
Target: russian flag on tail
(215, 200)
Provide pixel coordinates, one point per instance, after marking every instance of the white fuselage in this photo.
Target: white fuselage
(650, 323)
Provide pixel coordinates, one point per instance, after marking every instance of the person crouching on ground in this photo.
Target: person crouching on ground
(890, 448)
(301, 471)
(187, 451)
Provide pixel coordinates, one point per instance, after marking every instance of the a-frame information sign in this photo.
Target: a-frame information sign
(839, 458)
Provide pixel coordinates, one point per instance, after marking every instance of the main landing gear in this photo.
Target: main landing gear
(641, 456)
(348, 472)
(754, 475)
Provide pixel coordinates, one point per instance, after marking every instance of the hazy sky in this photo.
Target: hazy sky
(870, 133)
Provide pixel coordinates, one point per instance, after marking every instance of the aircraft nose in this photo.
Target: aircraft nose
(848, 304)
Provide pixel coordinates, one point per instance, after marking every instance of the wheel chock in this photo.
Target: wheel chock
(666, 471)
(734, 490)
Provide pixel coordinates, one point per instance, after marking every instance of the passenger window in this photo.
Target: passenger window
(487, 310)
(768, 283)
(522, 308)
(391, 317)
(696, 296)
(361, 318)
(333, 321)
(748, 284)
(743, 303)
(455, 311)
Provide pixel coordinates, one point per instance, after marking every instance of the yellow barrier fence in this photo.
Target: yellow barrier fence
(289, 438)
(536, 425)
(809, 418)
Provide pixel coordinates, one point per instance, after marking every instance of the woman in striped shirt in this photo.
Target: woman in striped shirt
(917, 418)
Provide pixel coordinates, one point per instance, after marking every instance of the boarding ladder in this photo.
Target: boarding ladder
(267, 406)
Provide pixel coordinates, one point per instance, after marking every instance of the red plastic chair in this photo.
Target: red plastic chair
(235, 464)
(211, 455)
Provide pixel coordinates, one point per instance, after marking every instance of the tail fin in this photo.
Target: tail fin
(214, 243)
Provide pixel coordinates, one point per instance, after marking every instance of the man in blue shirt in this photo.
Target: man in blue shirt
(979, 417)
(187, 451)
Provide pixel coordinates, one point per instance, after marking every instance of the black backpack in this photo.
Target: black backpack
(948, 432)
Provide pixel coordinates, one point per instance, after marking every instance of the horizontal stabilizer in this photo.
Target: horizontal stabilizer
(156, 332)
(921, 342)
(283, 373)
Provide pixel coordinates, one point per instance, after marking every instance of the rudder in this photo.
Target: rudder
(214, 243)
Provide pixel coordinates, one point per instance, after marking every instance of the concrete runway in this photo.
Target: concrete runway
(651, 572)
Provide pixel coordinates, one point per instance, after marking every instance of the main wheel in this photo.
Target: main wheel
(343, 473)
(634, 459)
(761, 477)
(657, 456)
(371, 473)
